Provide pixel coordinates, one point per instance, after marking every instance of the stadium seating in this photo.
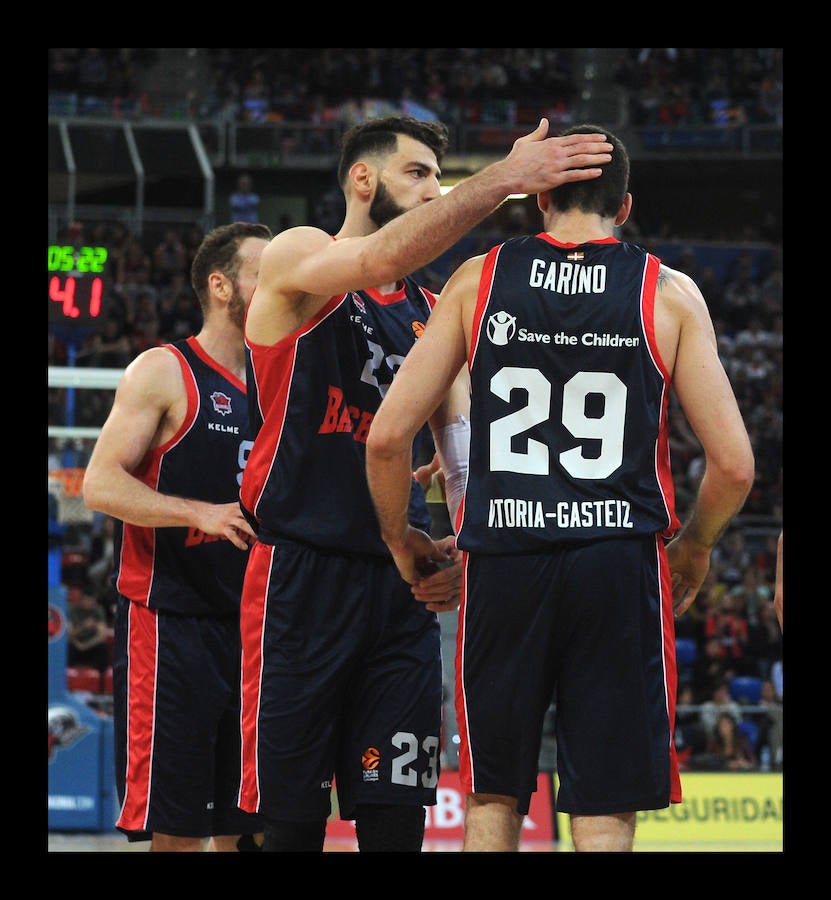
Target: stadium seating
(686, 652)
(83, 678)
(746, 689)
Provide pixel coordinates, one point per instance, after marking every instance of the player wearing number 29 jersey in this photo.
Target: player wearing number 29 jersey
(568, 416)
(575, 562)
(568, 453)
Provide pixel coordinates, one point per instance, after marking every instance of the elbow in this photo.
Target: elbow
(384, 441)
(737, 473)
(93, 497)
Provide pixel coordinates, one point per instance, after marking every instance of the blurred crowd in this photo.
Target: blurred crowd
(702, 85)
(487, 85)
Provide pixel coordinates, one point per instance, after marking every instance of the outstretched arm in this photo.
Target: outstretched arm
(415, 238)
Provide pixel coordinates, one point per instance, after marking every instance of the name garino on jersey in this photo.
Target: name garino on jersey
(567, 278)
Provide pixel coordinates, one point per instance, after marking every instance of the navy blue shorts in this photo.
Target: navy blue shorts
(342, 682)
(176, 722)
(590, 628)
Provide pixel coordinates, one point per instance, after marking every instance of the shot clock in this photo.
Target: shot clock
(76, 282)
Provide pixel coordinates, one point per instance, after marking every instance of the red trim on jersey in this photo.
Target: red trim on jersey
(399, 294)
(138, 546)
(482, 297)
(670, 666)
(252, 629)
(142, 656)
(545, 236)
(663, 469)
(199, 350)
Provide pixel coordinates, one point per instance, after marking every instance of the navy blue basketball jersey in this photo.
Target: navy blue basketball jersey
(181, 569)
(312, 398)
(569, 399)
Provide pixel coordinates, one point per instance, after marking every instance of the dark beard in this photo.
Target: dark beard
(236, 308)
(383, 208)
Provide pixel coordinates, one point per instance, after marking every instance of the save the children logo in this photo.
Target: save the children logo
(501, 328)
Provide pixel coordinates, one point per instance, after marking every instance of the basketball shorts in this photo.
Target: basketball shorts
(176, 723)
(590, 628)
(342, 684)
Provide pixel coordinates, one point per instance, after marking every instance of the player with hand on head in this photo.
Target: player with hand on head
(342, 673)
(573, 340)
(167, 466)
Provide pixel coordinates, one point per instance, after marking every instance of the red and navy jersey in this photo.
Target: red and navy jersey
(181, 569)
(569, 399)
(312, 398)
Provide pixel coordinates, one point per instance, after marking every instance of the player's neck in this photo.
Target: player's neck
(575, 227)
(226, 346)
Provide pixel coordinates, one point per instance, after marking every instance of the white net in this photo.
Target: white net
(65, 487)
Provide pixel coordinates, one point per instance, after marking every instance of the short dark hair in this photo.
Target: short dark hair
(218, 252)
(602, 195)
(380, 136)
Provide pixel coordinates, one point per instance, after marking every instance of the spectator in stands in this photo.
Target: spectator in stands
(690, 735)
(754, 334)
(753, 591)
(720, 703)
(87, 631)
(93, 77)
(764, 642)
(730, 556)
(134, 266)
(729, 747)
(770, 289)
(169, 257)
(712, 288)
(101, 557)
(63, 69)
(769, 722)
(192, 238)
(108, 349)
(741, 293)
(184, 319)
(728, 624)
(711, 669)
(245, 201)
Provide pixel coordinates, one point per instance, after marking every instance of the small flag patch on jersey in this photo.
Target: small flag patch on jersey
(576, 256)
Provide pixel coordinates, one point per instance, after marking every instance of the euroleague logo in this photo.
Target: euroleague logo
(418, 329)
(501, 328)
(370, 760)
